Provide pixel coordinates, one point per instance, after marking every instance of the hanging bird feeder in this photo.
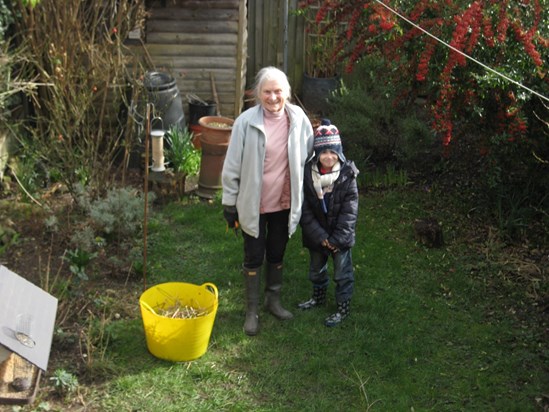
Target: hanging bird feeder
(157, 135)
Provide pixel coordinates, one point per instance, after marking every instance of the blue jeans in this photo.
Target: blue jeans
(343, 272)
(271, 243)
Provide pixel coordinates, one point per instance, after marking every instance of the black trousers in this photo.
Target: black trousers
(272, 240)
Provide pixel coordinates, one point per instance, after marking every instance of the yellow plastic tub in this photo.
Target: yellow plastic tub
(178, 339)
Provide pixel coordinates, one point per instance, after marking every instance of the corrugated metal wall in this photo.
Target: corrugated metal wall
(266, 44)
(195, 39)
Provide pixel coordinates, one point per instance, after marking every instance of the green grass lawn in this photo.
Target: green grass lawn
(428, 329)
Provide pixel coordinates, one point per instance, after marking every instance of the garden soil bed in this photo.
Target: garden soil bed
(37, 254)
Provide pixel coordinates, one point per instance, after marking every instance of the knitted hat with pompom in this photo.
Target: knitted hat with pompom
(327, 138)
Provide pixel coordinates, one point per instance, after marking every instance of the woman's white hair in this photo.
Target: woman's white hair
(272, 73)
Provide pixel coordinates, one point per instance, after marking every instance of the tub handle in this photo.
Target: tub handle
(212, 288)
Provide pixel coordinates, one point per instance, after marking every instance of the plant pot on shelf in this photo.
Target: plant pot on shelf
(214, 139)
(315, 92)
(322, 56)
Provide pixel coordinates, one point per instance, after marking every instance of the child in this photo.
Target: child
(328, 220)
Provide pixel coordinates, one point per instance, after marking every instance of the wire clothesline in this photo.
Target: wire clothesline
(462, 53)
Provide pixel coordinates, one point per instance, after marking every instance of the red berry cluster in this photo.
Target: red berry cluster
(485, 30)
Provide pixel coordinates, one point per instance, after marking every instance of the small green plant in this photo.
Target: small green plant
(30, 173)
(394, 177)
(64, 382)
(180, 151)
(78, 260)
(416, 146)
(42, 407)
(8, 237)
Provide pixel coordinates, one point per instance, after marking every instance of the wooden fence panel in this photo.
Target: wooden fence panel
(266, 46)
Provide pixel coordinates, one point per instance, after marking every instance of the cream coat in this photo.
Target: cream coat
(243, 167)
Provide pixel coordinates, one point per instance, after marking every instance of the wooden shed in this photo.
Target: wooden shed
(203, 45)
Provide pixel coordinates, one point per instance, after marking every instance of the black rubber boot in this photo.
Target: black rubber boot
(251, 281)
(343, 310)
(272, 292)
(318, 299)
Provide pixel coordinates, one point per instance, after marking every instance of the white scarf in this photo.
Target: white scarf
(325, 183)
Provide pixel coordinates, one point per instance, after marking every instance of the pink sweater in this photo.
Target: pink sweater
(275, 192)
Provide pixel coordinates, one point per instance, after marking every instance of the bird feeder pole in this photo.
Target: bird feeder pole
(146, 192)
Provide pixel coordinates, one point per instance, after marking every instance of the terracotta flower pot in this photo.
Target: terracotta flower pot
(215, 129)
(214, 139)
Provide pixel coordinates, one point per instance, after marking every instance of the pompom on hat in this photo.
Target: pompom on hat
(327, 138)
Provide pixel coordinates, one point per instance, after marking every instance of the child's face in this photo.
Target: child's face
(328, 159)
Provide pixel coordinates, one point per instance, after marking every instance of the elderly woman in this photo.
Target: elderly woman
(262, 181)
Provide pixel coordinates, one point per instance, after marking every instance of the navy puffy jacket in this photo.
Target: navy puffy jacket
(338, 225)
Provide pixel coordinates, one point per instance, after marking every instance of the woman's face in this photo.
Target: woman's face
(272, 96)
(328, 159)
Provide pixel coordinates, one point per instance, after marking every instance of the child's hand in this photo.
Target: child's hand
(329, 246)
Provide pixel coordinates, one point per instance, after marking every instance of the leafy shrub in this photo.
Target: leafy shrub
(516, 186)
(356, 115)
(81, 74)
(6, 19)
(375, 129)
(114, 220)
(119, 214)
(416, 144)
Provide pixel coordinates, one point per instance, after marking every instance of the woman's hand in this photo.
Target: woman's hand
(231, 216)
